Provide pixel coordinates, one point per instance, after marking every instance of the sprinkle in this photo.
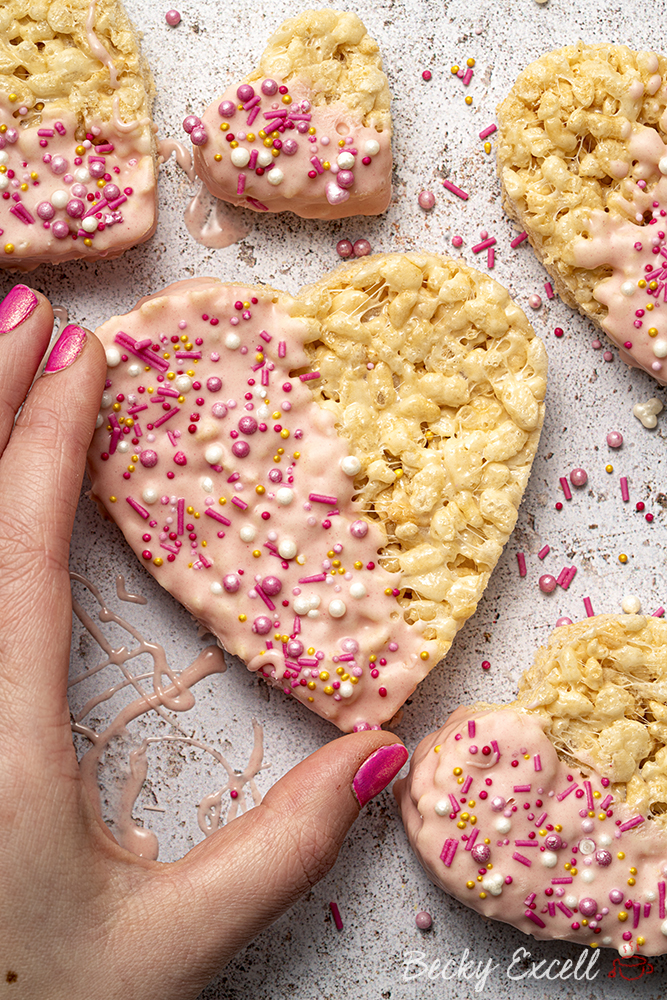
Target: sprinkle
(173, 18)
(455, 190)
(589, 607)
(522, 788)
(425, 199)
(495, 748)
(180, 507)
(486, 665)
(606, 802)
(548, 289)
(659, 613)
(166, 416)
(471, 728)
(544, 551)
(523, 861)
(490, 258)
(566, 880)
(526, 843)
(537, 762)
(565, 486)
(489, 130)
(426, 75)
(661, 900)
(239, 503)
(631, 823)
(471, 839)
(321, 498)
(465, 787)
(518, 239)
(256, 204)
(455, 805)
(565, 909)
(536, 920)
(139, 509)
(240, 184)
(448, 851)
(637, 908)
(540, 820)
(521, 559)
(484, 244)
(467, 77)
(625, 495)
(217, 517)
(335, 913)
(568, 791)
(589, 795)
(309, 376)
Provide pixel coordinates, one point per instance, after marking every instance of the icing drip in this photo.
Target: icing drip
(98, 49)
(213, 223)
(183, 156)
(153, 694)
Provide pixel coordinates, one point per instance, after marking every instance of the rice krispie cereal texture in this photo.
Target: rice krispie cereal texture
(581, 157)
(549, 813)
(75, 104)
(319, 100)
(405, 393)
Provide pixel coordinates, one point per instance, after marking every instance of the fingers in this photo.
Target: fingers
(233, 885)
(40, 477)
(26, 322)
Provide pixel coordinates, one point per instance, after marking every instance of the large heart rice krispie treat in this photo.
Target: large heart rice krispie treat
(309, 130)
(551, 813)
(327, 481)
(78, 166)
(583, 164)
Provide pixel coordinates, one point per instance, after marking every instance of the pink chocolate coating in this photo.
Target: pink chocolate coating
(35, 228)
(306, 186)
(260, 542)
(567, 859)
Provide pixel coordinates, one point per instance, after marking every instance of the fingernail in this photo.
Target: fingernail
(377, 771)
(16, 306)
(66, 349)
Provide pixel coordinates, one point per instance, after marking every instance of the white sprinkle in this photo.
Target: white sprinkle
(287, 548)
(248, 533)
(284, 496)
(358, 590)
(113, 359)
(183, 383)
(346, 689)
(337, 608)
(213, 454)
(372, 147)
(89, 225)
(631, 604)
(150, 495)
(240, 156)
(350, 465)
(549, 859)
(216, 588)
(232, 341)
(275, 176)
(59, 199)
(503, 825)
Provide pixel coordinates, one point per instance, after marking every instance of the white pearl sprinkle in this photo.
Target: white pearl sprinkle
(248, 533)
(213, 454)
(216, 588)
(549, 859)
(59, 199)
(150, 495)
(350, 465)
(183, 383)
(284, 496)
(372, 147)
(346, 689)
(240, 156)
(287, 548)
(337, 608)
(358, 590)
(232, 341)
(113, 359)
(275, 176)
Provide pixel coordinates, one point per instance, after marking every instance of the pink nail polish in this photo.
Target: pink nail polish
(66, 349)
(377, 771)
(16, 306)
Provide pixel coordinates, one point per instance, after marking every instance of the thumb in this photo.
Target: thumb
(246, 875)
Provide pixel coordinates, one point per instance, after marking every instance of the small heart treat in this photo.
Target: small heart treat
(78, 163)
(549, 813)
(309, 130)
(583, 166)
(325, 481)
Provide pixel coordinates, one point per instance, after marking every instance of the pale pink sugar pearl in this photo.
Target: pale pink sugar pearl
(172, 17)
(457, 241)
(614, 439)
(423, 920)
(534, 301)
(426, 200)
(344, 248)
(563, 621)
(578, 477)
(362, 248)
(547, 583)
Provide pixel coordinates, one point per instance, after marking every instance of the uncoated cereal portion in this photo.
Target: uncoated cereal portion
(437, 380)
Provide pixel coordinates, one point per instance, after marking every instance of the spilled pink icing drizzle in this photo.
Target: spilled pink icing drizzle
(163, 691)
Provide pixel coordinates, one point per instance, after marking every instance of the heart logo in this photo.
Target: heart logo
(308, 131)
(325, 481)
(582, 164)
(547, 813)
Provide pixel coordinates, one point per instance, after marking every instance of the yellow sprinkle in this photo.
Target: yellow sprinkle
(275, 152)
(388, 591)
(649, 306)
(424, 655)
(9, 248)
(287, 99)
(326, 165)
(573, 871)
(473, 820)
(455, 70)
(602, 816)
(12, 98)
(261, 490)
(470, 885)
(482, 895)
(233, 144)
(459, 781)
(217, 157)
(526, 756)
(437, 749)
(398, 473)
(631, 881)
(243, 618)
(461, 825)
(116, 407)
(80, 150)
(296, 455)
(250, 136)
(468, 100)
(171, 376)
(653, 285)
(622, 558)
(487, 147)
(591, 814)
(324, 675)
(131, 468)
(471, 803)
(372, 658)
(567, 866)
(345, 677)
(641, 940)
(310, 650)
(312, 685)
(641, 283)
(609, 468)
(584, 922)
(24, 187)
(158, 561)
(267, 142)
(35, 176)
(597, 795)
(633, 871)
(328, 689)
(622, 916)
(310, 698)
(470, 62)
(204, 543)
(543, 833)
(284, 433)
(358, 565)
(113, 499)
(281, 451)
(312, 130)
(620, 855)
(256, 554)
(341, 142)
(340, 670)
(101, 183)
(558, 828)
(652, 332)
(222, 501)
(87, 242)
(457, 771)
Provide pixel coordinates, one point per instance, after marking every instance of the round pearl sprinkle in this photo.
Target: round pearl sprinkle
(457, 241)
(172, 17)
(631, 605)
(535, 301)
(563, 621)
(578, 477)
(426, 75)
(547, 583)
(426, 200)
(486, 665)
(362, 248)
(344, 249)
(424, 920)
(614, 439)
(558, 332)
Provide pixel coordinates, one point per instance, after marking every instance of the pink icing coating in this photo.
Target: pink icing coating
(550, 850)
(265, 547)
(43, 161)
(635, 247)
(306, 186)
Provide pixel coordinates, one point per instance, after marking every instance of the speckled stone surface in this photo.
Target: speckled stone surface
(377, 883)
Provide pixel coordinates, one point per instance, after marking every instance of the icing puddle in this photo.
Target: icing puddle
(146, 692)
(212, 222)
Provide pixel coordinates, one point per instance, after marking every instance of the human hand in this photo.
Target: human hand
(79, 915)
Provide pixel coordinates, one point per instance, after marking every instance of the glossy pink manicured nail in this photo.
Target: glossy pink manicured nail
(16, 306)
(377, 771)
(66, 349)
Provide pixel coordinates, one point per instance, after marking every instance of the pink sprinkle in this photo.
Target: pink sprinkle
(252, 162)
(471, 839)
(540, 820)
(565, 909)
(317, 163)
(544, 551)
(533, 916)
(589, 607)
(489, 130)
(457, 241)
(537, 762)
(571, 573)
(625, 495)
(521, 559)
(465, 787)
(217, 517)
(548, 289)
(455, 190)
(518, 239)
(526, 843)
(630, 824)
(589, 795)
(282, 348)
(467, 77)
(239, 503)
(565, 486)
(240, 184)
(455, 805)
(661, 899)
(637, 907)
(180, 507)
(256, 204)
(141, 511)
(490, 259)
(522, 788)
(317, 578)
(522, 861)
(335, 913)
(471, 728)
(659, 613)
(173, 18)
(309, 376)
(321, 498)
(426, 75)
(568, 791)
(565, 880)
(448, 852)
(483, 245)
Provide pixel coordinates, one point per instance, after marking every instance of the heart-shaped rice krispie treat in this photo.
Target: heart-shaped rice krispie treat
(583, 164)
(325, 481)
(551, 813)
(309, 130)
(78, 164)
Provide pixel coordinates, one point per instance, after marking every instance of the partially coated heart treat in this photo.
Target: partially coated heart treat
(583, 164)
(325, 481)
(549, 813)
(309, 130)
(78, 159)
